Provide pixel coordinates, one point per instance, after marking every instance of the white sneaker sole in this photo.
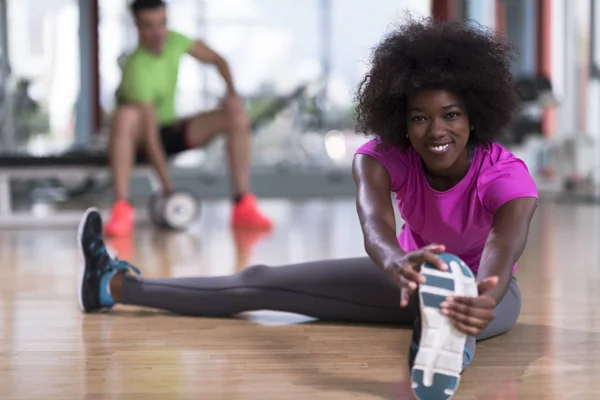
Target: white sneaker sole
(438, 364)
(82, 258)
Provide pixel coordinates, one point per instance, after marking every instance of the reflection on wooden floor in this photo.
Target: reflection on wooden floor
(49, 350)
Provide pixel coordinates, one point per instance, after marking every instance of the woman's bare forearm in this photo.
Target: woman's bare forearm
(375, 210)
(380, 240)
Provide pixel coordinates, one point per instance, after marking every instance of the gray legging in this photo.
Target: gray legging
(341, 290)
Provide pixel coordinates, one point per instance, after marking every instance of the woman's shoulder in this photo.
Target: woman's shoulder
(398, 162)
(502, 176)
(384, 152)
(495, 156)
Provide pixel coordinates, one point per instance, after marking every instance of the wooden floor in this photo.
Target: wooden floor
(48, 350)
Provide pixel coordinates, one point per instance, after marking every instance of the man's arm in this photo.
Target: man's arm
(200, 51)
(135, 90)
(506, 242)
(154, 149)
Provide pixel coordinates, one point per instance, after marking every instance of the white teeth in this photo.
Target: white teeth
(439, 148)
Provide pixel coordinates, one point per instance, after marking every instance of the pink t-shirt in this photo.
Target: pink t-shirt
(459, 218)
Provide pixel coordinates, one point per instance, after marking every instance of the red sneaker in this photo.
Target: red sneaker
(121, 220)
(245, 241)
(246, 214)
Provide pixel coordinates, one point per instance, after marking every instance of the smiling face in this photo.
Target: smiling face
(438, 129)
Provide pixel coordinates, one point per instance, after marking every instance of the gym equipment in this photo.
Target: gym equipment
(537, 94)
(176, 211)
(536, 89)
(76, 164)
(80, 172)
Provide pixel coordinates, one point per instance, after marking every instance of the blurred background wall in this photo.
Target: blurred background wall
(297, 64)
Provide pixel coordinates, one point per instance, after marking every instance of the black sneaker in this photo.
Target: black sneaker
(97, 268)
(414, 343)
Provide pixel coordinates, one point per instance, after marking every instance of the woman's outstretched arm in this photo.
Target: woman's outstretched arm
(378, 222)
(506, 242)
(375, 209)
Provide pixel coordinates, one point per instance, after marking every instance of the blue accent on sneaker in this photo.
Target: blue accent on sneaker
(448, 258)
(467, 358)
(458, 279)
(106, 300)
(442, 387)
(433, 300)
(114, 266)
(438, 281)
(97, 267)
(466, 270)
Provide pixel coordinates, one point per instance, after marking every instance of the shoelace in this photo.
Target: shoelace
(113, 264)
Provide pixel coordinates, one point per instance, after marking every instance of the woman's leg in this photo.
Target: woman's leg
(349, 290)
(435, 372)
(507, 312)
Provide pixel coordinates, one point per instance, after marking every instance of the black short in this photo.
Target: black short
(173, 139)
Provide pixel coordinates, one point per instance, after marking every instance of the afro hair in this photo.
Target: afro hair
(470, 61)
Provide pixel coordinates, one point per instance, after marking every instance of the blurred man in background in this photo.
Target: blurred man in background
(145, 124)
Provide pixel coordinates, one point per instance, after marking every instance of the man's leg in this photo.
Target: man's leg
(125, 137)
(230, 119)
(233, 122)
(130, 140)
(346, 290)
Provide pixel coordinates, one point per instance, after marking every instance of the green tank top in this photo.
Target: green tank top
(150, 78)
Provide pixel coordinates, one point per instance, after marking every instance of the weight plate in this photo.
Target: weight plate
(155, 209)
(180, 210)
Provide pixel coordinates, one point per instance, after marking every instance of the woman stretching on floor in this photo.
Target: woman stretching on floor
(435, 99)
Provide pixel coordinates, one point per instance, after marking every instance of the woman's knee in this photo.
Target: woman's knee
(507, 313)
(254, 274)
